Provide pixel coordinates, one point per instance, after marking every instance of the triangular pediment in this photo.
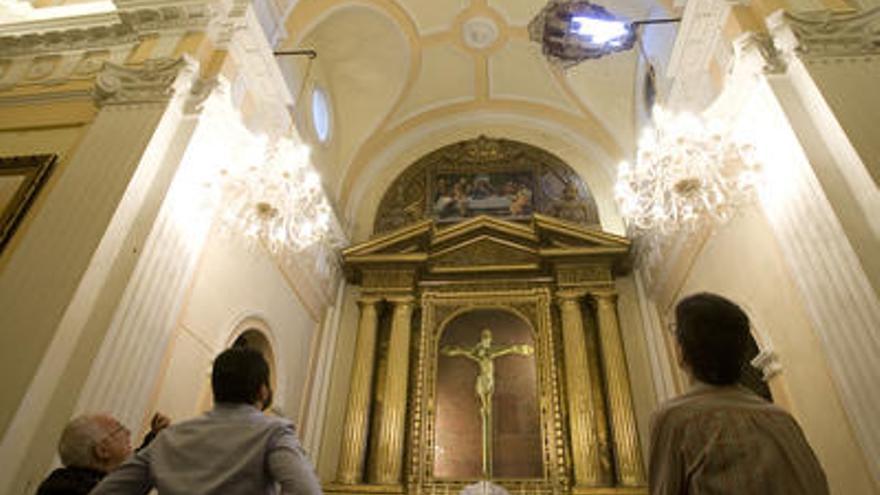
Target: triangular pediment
(486, 244)
(407, 241)
(484, 252)
(561, 238)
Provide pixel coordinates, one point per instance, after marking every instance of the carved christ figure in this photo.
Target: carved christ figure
(484, 355)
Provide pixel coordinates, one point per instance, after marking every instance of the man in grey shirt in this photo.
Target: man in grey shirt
(233, 449)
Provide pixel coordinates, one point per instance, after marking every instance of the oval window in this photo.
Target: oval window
(320, 115)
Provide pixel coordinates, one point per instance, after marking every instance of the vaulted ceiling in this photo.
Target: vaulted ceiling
(407, 76)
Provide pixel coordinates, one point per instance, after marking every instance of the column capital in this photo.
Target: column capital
(604, 295)
(368, 300)
(401, 300)
(570, 295)
(155, 81)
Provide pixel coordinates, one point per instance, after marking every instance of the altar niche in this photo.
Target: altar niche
(487, 416)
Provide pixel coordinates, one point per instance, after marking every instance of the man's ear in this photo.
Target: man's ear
(679, 356)
(101, 453)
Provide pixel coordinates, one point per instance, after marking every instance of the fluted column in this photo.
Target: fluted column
(354, 434)
(581, 417)
(623, 425)
(386, 469)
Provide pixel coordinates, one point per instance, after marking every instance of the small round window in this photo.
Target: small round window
(320, 114)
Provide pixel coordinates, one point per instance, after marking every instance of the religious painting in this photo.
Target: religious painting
(486, 176)
(487, 415)
(20, 180)
(500, 194)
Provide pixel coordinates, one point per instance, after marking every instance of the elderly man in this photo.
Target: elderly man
(90, 447)
(720, 438)
(232, 449)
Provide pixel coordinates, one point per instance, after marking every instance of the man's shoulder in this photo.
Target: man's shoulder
(224, 419)
(69, 481)
(713, 399)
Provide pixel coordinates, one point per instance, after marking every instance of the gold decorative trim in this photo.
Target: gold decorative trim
(526, 267)
(438, 308)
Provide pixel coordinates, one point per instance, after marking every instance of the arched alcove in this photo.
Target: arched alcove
(516, 421)
(486, 176)
(254, 338)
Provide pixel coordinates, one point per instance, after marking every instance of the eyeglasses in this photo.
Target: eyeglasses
(120, 428)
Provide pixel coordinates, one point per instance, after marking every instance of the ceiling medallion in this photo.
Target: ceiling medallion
(479, 33)
(689, 171)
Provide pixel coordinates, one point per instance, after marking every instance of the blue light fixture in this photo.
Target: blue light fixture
(571, 31)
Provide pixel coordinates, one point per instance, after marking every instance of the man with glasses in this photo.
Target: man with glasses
(233, 449)
(91, 446)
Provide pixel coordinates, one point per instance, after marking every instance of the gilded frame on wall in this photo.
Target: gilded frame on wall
(438, 309)
(21, 178)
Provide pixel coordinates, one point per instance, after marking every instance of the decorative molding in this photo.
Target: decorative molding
(827, 34)
(133, 21)
(759, 52)
(768, 362)
(697, 42)
(151, 83)
(479, 32)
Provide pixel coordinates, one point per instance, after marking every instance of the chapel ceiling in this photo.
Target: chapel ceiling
(391, 66)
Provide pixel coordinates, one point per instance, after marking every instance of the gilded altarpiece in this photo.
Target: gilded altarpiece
(554, 282)
(488, 344)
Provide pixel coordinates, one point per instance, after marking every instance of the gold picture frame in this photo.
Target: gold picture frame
(21, 178)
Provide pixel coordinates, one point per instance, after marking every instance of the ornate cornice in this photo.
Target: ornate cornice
(133, 20)
(151, 83)
(827, 34)
(67, 39)
(62, 50)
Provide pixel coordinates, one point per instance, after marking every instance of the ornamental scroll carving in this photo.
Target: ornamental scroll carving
(827, 33)
(151, 83)
(486, 176)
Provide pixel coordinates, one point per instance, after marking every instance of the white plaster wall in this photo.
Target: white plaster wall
(340, 380)
(742, 262)
(234, 283)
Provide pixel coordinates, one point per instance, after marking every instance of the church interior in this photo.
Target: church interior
(456, 229)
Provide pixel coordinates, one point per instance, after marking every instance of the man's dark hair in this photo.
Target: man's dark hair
(713, 334)
(238, 374)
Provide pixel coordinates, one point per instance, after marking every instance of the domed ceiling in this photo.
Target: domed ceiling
(395, 69)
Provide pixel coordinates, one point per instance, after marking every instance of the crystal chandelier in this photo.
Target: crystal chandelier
(688, 171)
(279, 201)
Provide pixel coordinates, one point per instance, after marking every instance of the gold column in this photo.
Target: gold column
(386, 469)
(602, 434)
(623, 425)
(354, 434)
(581, 417)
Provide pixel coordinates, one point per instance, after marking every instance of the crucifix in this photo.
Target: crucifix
(484, 354)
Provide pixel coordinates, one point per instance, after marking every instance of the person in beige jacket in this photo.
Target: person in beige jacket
(720, 438)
